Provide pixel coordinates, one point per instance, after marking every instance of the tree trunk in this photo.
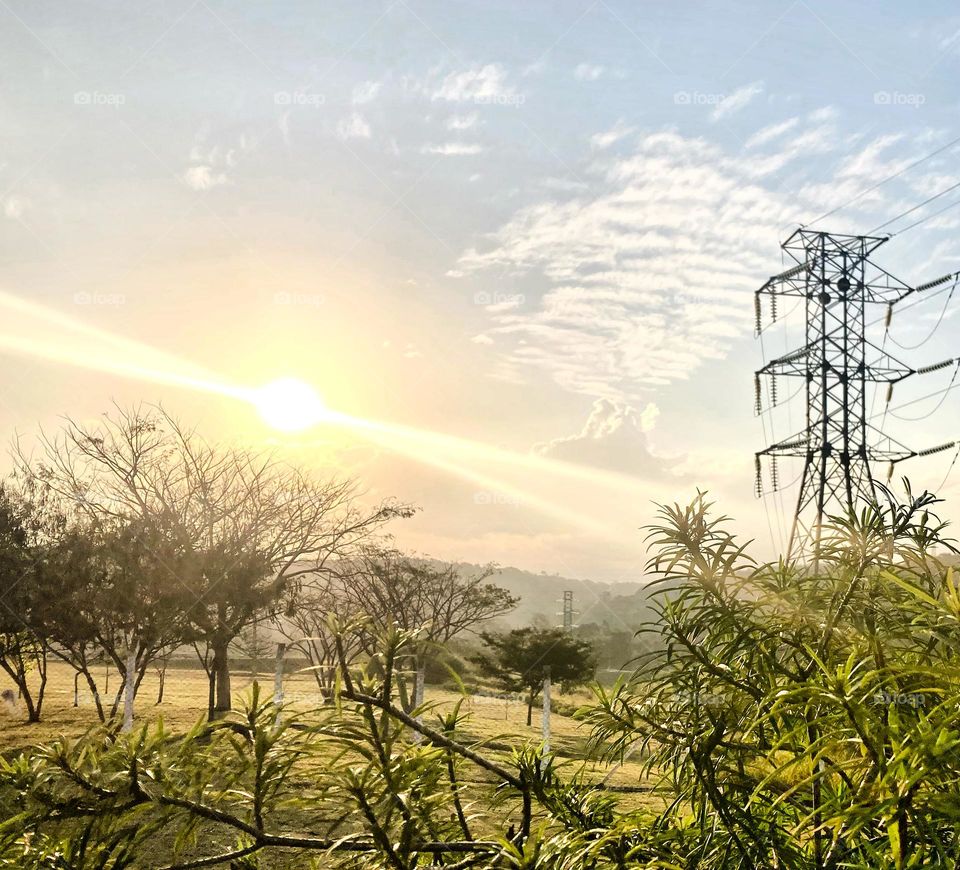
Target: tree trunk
(530, 707)
(221, 670)
(94, 693)
(163, 679)
(211, 690)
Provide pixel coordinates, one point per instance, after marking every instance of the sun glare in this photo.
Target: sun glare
(289, 404)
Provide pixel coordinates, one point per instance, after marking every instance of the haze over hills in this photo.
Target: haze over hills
(619, 606)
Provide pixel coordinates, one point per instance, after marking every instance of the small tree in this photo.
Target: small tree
(520, 659)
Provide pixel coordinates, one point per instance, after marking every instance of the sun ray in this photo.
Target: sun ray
(291, 405)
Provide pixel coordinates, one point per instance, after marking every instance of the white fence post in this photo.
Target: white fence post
(546, 712)
(130, 686)
(278, 675)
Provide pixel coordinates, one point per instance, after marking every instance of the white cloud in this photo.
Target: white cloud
(365, 92)
(482, 339)
(645, 276)
(478, 84)
(772, 132)
(618, 131)
(210, 164)
(736, 101)
(203, 177)
(453, 149)
(586, 72)
(462, 122)
(354, 127)
(614, 437)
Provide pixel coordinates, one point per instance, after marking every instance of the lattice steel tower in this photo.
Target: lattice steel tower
(837, 283)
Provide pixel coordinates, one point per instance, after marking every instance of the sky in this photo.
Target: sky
(533, 228)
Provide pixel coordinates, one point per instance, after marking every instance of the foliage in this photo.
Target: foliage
(520, 659)
(230, 530)
(23, 654)
(799, 717)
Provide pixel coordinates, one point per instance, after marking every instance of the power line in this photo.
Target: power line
(928, 217)
(896, 174)
(939, 404)
(902, 214)
(936, 326)
(932, 395)
(924, 298)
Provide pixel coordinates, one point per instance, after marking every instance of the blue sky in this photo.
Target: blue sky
(536, 226)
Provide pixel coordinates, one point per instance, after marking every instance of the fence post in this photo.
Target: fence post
(278, 675)
(546, 711)
(130, 686)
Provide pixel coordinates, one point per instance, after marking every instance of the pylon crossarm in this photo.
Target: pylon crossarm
(796, 446)
(793, 274)
(793, 363)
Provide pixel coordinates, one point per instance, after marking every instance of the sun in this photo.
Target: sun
(289, 404)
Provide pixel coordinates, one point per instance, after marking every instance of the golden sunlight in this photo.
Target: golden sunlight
(289, 404)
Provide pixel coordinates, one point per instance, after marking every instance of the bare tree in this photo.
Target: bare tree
(436, 601)
(322, 622)
(238, 527)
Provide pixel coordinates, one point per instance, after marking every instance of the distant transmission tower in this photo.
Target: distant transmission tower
(568, 611)
(836, 282)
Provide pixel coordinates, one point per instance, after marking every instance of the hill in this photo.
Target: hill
(616, 606)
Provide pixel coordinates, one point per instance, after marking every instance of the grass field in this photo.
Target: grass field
(500, 723)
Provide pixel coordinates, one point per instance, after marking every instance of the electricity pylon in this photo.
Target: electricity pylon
(568, 611)
(837, 283)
